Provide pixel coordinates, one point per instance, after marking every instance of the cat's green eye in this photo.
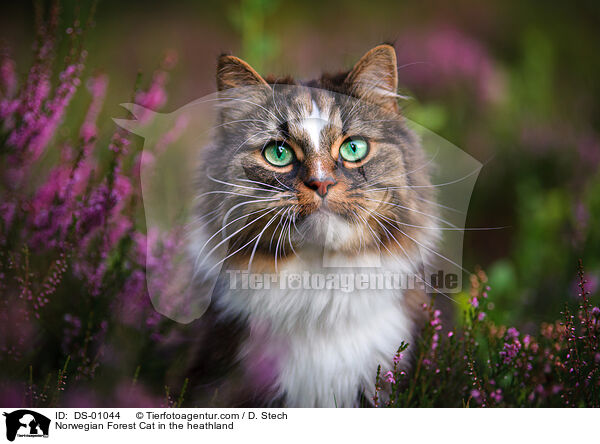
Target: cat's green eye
(278, 154)
(354, 150)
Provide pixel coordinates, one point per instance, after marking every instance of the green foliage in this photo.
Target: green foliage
(250, 19)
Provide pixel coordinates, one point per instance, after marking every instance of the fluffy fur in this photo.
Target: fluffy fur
(310, 347)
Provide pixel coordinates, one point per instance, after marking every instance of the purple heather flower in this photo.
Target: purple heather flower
(496, 395)
(154, 97)
(510, 351)
(49, 120)
(389, 377)
(439, 59)
(97, 87)
(436, 322)
(512, 333)
(435, 341)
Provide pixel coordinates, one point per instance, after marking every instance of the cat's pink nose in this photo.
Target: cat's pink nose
(321, 186)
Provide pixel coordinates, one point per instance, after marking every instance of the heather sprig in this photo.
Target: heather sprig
(70, 241)
(482, 364)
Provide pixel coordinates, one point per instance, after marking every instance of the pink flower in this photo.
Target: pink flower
(97, 87)
(512, 333)
(389, 377)
(398, 357)
(510, 351)
(496, 395)
(438, 59)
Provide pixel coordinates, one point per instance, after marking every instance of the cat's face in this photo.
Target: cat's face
(328, 164)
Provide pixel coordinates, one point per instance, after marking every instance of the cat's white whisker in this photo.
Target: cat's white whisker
(366, 186)
(434, 252)
(292, 219)
(378, 241)
(223, 228)
(275, 101)
(236, 121)
(274, 233)
(422, 199)
(250, 138)
(414, 210)
(415, 274)
(435, 185)
(199, 218)
(284, 185)
(239, 186)
(440, 228)
(239, 249)
(233, 234)
(260, 236)
(295, 226)
(252, 103)
(261, 183)
(247, 202)
(390, 236)
(233, 193)
(279, 238)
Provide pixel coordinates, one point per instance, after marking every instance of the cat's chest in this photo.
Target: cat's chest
(325, 357)
(320, 344)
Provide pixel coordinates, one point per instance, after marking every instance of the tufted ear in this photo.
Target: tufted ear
(375, 77)
(233, 72)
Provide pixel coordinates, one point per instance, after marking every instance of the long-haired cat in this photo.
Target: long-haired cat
(305, 179)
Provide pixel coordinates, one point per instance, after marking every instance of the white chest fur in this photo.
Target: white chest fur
(324, 344)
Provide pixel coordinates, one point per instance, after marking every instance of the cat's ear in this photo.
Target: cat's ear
(233, 72)
(375, 77)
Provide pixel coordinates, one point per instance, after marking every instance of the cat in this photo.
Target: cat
(320, 178)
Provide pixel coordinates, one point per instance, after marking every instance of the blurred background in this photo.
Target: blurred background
(513, 83)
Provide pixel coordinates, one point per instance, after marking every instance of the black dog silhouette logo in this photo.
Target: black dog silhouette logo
(26, 423)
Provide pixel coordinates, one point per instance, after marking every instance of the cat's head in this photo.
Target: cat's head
(329, 162)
